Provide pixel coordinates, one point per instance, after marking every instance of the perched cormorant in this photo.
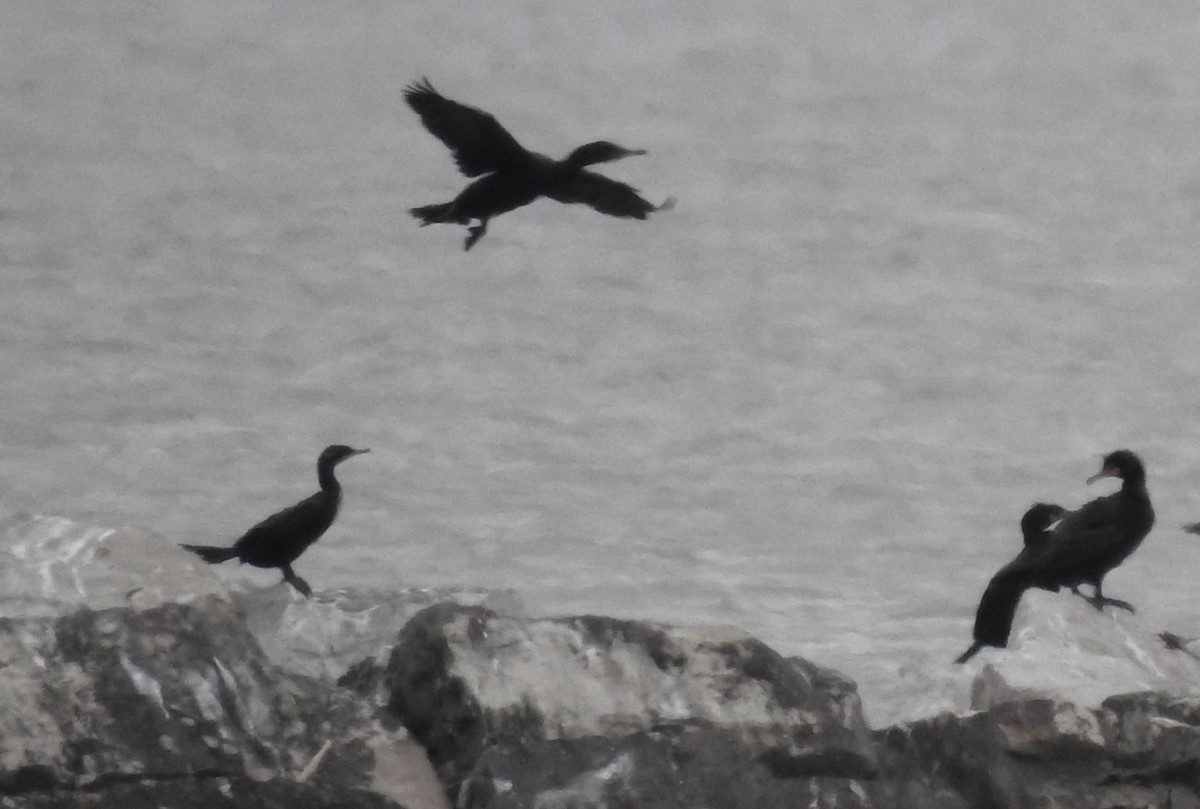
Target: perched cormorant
(512, 176)
(1083, 547)
(1099, 536)
(993, 619)
(279, 540)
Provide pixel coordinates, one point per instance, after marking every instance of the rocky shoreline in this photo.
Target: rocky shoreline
(177, 705)
(117, 695)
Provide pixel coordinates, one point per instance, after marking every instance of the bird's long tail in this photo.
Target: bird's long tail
(211, 554)
(971, 652)
(432, 214)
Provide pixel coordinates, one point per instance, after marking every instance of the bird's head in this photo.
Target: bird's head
(334, 454)
(600, 151)
(1121, 464)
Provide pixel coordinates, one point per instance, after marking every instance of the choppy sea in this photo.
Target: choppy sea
(930, 260)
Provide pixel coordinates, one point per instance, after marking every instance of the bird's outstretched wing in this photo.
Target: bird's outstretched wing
(605, 195)
(479, 143)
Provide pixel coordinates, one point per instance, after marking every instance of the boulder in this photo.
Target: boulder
(121, 707)
(207, 793)
(1134, 750)
(50, 565)
(591, 711)
(1063, 648)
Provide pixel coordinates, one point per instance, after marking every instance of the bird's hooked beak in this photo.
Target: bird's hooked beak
(358, 452)
(1109, 472)
(633, 152)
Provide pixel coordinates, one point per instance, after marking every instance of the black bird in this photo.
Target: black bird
(1082, 549)
(510, 175)
(1090, 542)
(279, 540)
(993, 619)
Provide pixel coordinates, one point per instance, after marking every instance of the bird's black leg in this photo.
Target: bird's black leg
(1099, 600)
(476, 233)
(300, 584)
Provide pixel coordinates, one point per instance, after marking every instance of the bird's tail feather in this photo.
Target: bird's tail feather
(969, 653)
(211, 554)
(431, 214)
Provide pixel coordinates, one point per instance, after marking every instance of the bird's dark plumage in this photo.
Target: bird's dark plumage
(509, 175)
(1084, 546)
(279, 540)
(1090, 542)
(993, 619)
(1035, 525)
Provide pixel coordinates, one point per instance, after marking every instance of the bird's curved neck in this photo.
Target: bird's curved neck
(575, 162)
(328, 482)
(1134, 487)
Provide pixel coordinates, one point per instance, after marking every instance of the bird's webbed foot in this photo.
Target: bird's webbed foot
(300, 584)
(475, 234)
(1100, 602)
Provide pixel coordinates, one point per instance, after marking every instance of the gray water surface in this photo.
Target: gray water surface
(930, 261)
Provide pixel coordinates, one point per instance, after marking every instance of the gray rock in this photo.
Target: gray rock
(127, 701)
(51, 565)
(1062, 648)
(703, 766)
(205, 793)
(1135, 750)
(591, 711)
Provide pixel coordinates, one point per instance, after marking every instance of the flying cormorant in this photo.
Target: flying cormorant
(1084, 546)
(510, 175)
(279, 540)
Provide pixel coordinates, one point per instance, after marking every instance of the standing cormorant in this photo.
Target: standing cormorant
(993, 619)
(279, 540)
(512, 176)
(1082, 549)
(1099, 536)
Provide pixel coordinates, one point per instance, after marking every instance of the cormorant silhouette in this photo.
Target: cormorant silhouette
(1084, 546)
(279, 540)
(510, 175)
(1090, 542)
